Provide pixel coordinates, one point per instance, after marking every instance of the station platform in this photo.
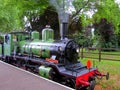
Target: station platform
(13, 78)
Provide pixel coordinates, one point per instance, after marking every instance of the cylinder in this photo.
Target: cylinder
(45, 72)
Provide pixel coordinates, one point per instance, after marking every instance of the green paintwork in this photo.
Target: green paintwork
(1, 41)
(14, 42)
(39, 50)
(46, 52)
(8, 46)
(45, 71)
(36, 51)
(35, 35)
(47, 34)
(21, 43)
(18, 41)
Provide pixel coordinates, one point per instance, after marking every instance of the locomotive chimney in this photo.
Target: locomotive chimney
(63, 20)
(63, 30)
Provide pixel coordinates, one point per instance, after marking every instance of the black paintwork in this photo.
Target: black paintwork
(70, 71)
(68, 54)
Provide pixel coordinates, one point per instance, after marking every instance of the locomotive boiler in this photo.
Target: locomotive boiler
(57, 60)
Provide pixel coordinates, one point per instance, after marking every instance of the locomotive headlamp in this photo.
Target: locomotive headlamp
(77, 50)
(60, 48)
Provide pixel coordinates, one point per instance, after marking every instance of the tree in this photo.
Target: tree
(109, 10)
(106, 10)
(106, 21)
(8, 16)
(106, 35)
(13, 12)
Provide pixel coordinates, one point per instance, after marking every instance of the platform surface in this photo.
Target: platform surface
(13, 78)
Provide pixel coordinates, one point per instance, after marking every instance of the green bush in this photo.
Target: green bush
(83, 40)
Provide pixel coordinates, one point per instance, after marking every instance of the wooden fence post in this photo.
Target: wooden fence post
(99, 54)
(82, 53)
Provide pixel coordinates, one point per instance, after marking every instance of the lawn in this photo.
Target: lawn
(113, 67)
(108, 63)
(104, 55)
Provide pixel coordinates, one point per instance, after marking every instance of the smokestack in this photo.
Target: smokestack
(63, 30)
(63, 20)
(62, 7)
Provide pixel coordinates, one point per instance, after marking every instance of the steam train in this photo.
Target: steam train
(57, 60)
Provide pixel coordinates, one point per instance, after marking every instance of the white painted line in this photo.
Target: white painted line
(36, 75)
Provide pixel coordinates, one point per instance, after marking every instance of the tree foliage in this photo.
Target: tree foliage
(109, 10)
(13, 12)
(106, 22)
(9, 15)
(105, 34)
(106, 10)
(82, 39)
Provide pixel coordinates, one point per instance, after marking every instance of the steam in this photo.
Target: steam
(62, 7)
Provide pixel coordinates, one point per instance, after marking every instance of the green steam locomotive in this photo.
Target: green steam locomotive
(57, 60)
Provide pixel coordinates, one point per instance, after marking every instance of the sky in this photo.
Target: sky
(90, 13)
(118, 1)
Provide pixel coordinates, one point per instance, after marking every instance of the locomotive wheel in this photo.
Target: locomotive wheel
(70, 83)
(92, 85)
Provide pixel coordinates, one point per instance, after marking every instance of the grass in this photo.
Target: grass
(113, 67)
(105, 65)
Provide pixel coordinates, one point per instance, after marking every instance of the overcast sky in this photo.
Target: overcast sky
(118, 1)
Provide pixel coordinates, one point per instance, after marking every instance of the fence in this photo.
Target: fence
(112, 54)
